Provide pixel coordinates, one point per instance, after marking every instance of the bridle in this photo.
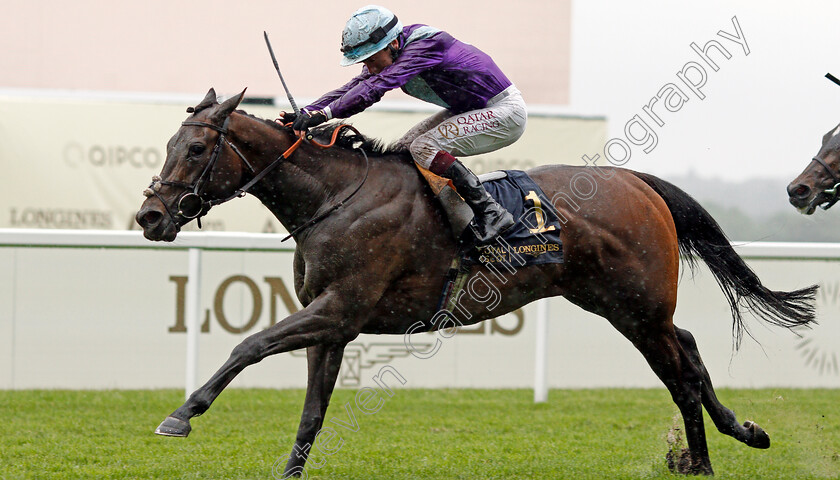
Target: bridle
(833, 192)
(192, 203)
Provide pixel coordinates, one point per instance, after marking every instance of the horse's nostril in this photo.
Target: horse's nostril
(149, 219)
(798, 190)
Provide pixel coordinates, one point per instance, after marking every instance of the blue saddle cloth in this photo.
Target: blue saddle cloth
(535, 237)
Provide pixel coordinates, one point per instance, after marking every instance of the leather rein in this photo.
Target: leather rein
(193, 196)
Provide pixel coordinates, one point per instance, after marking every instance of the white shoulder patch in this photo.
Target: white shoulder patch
(420, 33)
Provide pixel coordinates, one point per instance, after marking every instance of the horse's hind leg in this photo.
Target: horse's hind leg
(324, 362)
(665, 355)
(723, 418)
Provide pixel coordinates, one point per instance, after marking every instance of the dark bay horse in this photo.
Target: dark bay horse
(373, 248)
(819, 183)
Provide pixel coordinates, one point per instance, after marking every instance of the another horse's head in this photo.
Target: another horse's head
(201, 168)
(819, 183)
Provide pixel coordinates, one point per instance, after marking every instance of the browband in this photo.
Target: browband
(208, 125)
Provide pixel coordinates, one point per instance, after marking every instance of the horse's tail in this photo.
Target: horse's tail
(699, 235)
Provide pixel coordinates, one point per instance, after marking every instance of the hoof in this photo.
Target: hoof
(758, 437)
(174, 427)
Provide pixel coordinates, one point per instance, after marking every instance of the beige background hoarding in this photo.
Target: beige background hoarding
(61, 327)
(188, 46)
(74, 160)
(71, 163)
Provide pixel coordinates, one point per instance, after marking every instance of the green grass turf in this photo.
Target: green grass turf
(438, 434)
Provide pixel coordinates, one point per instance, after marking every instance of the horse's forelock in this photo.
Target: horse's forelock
(198, 108)
(203, 105)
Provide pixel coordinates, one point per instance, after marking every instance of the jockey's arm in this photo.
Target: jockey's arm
(413, 60)
(331, 96)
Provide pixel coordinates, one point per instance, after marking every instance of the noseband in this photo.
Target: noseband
(192, 204)
(833, 192)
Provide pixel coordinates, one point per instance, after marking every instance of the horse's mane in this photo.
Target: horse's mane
(347, 138)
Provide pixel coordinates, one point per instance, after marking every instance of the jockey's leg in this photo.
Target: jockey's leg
(491, 219)
(475, 132)
(422, 127)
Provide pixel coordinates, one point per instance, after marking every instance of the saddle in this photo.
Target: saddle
(533, 240)
(537, 227)
(457, 211)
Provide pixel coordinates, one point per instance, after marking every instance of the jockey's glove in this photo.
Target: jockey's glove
(286, 118)
(307, 120)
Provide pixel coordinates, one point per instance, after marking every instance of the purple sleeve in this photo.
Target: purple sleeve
(414, 59)
(329, 97)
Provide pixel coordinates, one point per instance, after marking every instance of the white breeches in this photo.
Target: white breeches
(497, 125)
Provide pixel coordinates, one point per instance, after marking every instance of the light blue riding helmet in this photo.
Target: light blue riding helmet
(368, 31)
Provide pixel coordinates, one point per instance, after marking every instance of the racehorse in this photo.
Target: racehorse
(819, 183)
(374, 247)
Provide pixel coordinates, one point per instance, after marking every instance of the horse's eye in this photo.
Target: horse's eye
(196, 150)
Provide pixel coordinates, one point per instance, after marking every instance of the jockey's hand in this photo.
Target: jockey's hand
(307, 120)
(286, 118)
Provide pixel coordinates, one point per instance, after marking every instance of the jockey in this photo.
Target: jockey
(483, 110)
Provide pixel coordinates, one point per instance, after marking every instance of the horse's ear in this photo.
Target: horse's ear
(210, 98)
(228, 106)
(209, 101)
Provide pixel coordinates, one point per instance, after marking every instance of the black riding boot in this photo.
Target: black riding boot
(491, 219)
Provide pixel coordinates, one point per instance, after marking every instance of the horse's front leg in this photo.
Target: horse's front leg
(324, 363)
(324, 321)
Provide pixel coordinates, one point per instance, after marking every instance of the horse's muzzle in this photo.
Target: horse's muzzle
(156, 224)
(798, 192)
(802, 197)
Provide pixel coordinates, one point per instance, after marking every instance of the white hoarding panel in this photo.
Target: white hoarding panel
(114, 318)
(586, 351)
(7, 316)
